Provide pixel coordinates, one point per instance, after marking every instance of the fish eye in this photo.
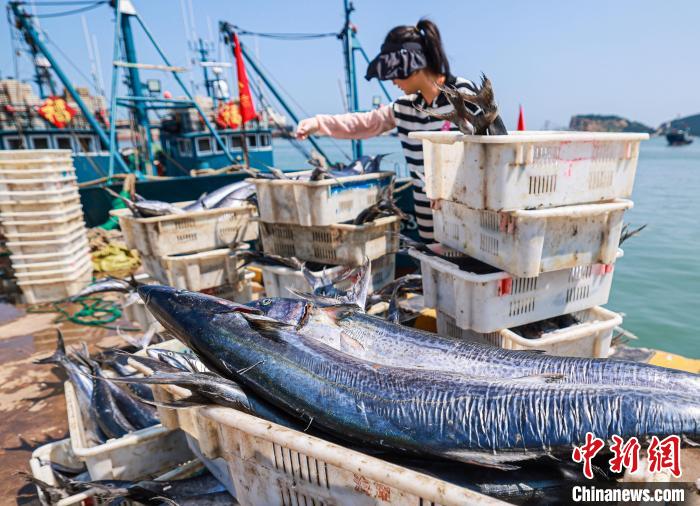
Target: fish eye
(266, 302)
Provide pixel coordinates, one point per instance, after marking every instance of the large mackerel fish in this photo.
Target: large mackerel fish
(441, 413)
(375, 339)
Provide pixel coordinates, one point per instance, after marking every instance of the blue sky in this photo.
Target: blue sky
(638, 59)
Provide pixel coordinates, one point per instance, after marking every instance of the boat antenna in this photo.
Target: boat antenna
(347, 38)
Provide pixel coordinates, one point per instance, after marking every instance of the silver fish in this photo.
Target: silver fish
(240, 190)
(377, 340)
(487, 421)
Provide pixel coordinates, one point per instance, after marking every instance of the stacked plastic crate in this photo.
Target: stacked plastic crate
(313, 222)
(192, 250)
(43, 224)
(532, 224)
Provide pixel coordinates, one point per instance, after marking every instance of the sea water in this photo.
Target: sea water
(657, 282)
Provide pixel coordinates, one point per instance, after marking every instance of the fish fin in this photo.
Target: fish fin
(339, 312)
(360, 289)
(501, 461)
(249, 368)
(690, 442)
(263, 323)
(350, 344)
(58, 355)
(194, 399)
(312, 280)
(318, 300)
(153, 364)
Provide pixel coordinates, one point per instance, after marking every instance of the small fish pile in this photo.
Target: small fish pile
(203, 489)
(365, 164)
(481, 118)
(227, 196)
(375, 383)
(321, 283)
(109, 411)
(386, 206)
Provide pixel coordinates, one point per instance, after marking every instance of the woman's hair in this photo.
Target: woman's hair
(427, 34)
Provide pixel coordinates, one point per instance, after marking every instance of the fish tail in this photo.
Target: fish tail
(59, 355)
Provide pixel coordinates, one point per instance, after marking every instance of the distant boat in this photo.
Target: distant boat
(678, 137)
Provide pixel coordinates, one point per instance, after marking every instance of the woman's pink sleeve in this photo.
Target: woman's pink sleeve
(357, 125)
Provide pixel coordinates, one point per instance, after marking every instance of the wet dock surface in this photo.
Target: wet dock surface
(32, 406)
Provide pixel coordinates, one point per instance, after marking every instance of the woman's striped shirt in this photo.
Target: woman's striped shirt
(409, 119)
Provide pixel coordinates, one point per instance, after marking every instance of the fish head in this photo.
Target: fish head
(285, 310)
(179, 311)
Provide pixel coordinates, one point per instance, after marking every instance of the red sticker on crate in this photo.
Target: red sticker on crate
(505, 287)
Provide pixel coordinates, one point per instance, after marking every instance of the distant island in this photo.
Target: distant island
(608, 123)
(689, 123)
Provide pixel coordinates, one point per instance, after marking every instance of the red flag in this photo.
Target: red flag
(246, 99)
(521, 120)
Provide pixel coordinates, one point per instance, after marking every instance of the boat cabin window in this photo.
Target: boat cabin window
(264, 139)
(184, 146)
(13, 143)
(86, 144)
(63, 142)
(252, 140)
(40, 142)
(235, 142)
(203, 146)
(217, 148)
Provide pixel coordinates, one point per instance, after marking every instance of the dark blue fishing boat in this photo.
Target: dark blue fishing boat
(185, 152)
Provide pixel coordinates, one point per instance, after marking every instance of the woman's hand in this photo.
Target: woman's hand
(306, 127)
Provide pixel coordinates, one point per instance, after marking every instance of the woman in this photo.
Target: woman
(413, 58)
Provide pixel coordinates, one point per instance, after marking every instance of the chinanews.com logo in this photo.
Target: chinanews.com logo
(662, 455)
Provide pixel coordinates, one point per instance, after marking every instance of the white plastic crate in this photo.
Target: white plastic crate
(196, 271)
(589, 338)
(10, 188)
(10, 156)
(48, 243)
(70, 249)
(50, 212)
(527, 170)
(145, 452)
(57, 222)
(36, 168)
(60, 269)
(187, 233)
(240, 291)
(49, 288)
(217, 467)
(46, 236)
(278, 280)
(271, 465)
(526, 243)
(312, 203)
(71, 262)
(60, 452)
(40, 201)
(338, 244)
(497, 300)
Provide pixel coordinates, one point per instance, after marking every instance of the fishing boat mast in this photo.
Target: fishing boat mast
(347, 36)
(137, 100)
(139, 108)
(27, 27)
